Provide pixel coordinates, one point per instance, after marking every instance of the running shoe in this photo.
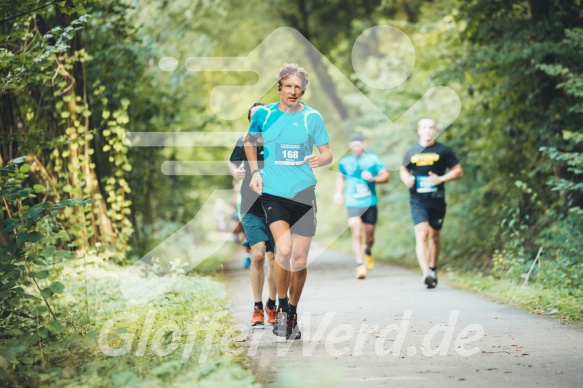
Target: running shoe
(293, 330)
(430, 279)
(257, 317)
(271, 314)
(361, 272)
(280, 325)
(247, 263)
(369, 261)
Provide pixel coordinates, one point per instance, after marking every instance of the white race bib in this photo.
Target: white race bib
(362, 190)
(289, 154)
(423, 185)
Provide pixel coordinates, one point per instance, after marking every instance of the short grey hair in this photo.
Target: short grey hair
(291, 70)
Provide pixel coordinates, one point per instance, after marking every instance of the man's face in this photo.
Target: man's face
(426, 130)
(357, 147)
(291, 91)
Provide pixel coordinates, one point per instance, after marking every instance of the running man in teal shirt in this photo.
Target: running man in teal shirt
(289, 130)
(359, 174)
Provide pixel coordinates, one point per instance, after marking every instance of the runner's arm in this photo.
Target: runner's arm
(382, 177)
(249, 143)
(324, 159)
(250, 146)
(453, 174)
(406, 177)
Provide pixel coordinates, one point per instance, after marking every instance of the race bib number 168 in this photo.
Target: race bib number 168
(289, 154)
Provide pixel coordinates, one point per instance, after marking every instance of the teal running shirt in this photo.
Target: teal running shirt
(359, 193)
(287, 139)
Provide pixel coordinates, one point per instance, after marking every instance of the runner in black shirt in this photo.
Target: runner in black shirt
(259, 237)
(423, 171)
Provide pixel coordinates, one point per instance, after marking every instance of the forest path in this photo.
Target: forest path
(390, 330)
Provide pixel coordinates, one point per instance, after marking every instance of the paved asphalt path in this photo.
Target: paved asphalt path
(389, 330)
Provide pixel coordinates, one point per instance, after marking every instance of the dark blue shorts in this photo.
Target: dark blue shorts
(430, 210)
(257, 231)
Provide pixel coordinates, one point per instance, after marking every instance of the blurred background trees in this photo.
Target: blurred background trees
(79, 75)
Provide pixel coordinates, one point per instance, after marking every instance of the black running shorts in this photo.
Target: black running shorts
(431, 210)
(368, 217)
(299, 212)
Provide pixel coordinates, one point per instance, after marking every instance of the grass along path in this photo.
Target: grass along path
(557, 303)
(185, 337)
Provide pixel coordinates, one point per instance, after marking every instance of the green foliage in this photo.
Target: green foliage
(50, 116)
(33, 63)
(181, 338)
(116, 187)
(54, 307)
(563, 241)
(29, 269)
(508, 61)
(555, 227)
(11, 9)
(568, 69)
(547, 250)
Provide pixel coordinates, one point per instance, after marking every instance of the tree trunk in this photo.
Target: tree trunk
(538, 9)
(8, 128)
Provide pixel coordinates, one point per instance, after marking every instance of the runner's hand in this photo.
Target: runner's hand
(240, 173)
(410, 181)
(434, 179)
(256, 183)
(312, 160)
(367, 176)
